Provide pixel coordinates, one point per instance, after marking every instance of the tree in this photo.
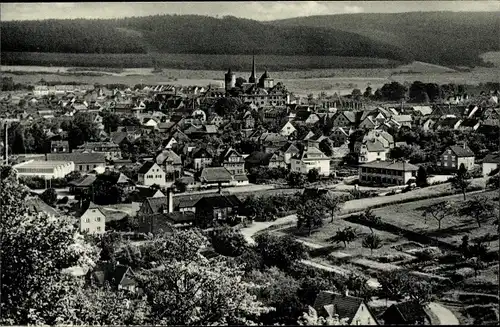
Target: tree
(240, 81)
(394, 284)
(346, 235)
(279, 252)
(35, 251)
(439, 211)
(372, 242)
(393, 91)
(356, 94)
(228, 242)
(326, 146)
(310, 215)
(461, 180)
(311, 318)
(420, 291)
(82, 129)
(368, 92)
(199, 292)
(480, 208)
(421, 179)
(369, 217)
(130, 121)
(333, 203)
(49, 196)
(494, 182)
(110, 121)
(477, 264)
(296, 179)
(227, 105)
(313, 175)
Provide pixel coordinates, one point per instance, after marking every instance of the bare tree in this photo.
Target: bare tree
(439, 211)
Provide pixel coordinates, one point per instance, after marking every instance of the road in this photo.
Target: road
(257, 226)
(445, 316)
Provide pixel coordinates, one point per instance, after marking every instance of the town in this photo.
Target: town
(242, 203)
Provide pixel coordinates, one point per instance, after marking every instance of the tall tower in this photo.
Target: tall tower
(252, 78)
(229, 80)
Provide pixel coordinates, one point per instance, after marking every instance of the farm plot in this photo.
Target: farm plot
(409, 216)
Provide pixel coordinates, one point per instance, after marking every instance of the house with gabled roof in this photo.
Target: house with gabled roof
(344, 119)
(287, 129)
(202, 158)
(213, 176)
(92, 219)
(170, 162)
(339, 136)
(354, 309)
(217, 208)
(288, 151)
(84, 162)
(387, 172)
(405, 313)
(456, 155)
(151, 173)
(233, 161)
(311, 158)
(118, 276)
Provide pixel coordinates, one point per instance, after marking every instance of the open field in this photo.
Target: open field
(453, 228)
(192, 61)
(299, 81)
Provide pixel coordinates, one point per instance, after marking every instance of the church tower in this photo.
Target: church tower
(253, 78)
(229, 80)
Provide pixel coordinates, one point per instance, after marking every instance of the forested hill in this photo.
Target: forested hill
(447, 38)
(444, 38)
(188, 34)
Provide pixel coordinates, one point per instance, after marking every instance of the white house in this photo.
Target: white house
(311, 158)
(93, 220)
(352, 310)
(151, 173)
(287, 129)
(490, 163)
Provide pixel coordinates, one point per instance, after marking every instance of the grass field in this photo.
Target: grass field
(192, 61)
(453, 228)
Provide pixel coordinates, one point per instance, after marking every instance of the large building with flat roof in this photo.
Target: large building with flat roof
(45, 169)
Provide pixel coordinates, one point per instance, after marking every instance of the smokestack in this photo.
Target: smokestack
(170, 195)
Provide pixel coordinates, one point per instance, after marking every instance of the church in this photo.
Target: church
(262, 92)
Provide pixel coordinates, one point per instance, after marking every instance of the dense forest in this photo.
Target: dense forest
(187, 34)
(447, 38)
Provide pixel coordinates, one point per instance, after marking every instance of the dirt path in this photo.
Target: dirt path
(445, 316)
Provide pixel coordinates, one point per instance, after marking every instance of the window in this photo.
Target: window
(445, 157)
(98, 219)
(453, 164)
(80, 167)
(88, 167)
(87, 220)
(87, 229)
(98, 228)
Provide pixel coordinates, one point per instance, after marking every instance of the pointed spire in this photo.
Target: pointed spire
(252, 78)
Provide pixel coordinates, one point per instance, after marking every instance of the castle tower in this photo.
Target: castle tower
(266, 81)
(253, 78)
(229, 80)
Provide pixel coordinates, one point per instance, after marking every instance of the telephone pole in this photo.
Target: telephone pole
(6, 144)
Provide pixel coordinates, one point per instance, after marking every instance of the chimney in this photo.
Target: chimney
(464, 144)
(170, 195)
(346, 293)
(220, 188)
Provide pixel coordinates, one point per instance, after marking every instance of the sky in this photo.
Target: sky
(264, 10)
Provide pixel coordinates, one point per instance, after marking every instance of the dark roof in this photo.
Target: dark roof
(390, 165)
(181, 217)
(142, 193)
(469, 122)
(114, 274)
(215, 174)
(146, 167)
(157, 204)
(77, 158)
(37, 205)
(118, 137)
(259, 158)
(492, 158)
(410, 311)
(219, 201)
(85, 181)
(189, 200)
(329, 303)
(461, 151)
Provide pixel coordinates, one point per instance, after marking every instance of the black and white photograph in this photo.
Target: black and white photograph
(266, 163)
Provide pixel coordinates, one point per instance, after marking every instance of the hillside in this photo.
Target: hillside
(446, 38)
(188, 35)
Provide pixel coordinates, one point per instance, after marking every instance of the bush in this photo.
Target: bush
(38, 183)
(357, 194)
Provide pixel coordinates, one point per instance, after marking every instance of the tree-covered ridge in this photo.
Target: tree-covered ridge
(188, 34)
(447, 38)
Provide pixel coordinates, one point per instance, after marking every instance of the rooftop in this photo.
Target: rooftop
(390, 165)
